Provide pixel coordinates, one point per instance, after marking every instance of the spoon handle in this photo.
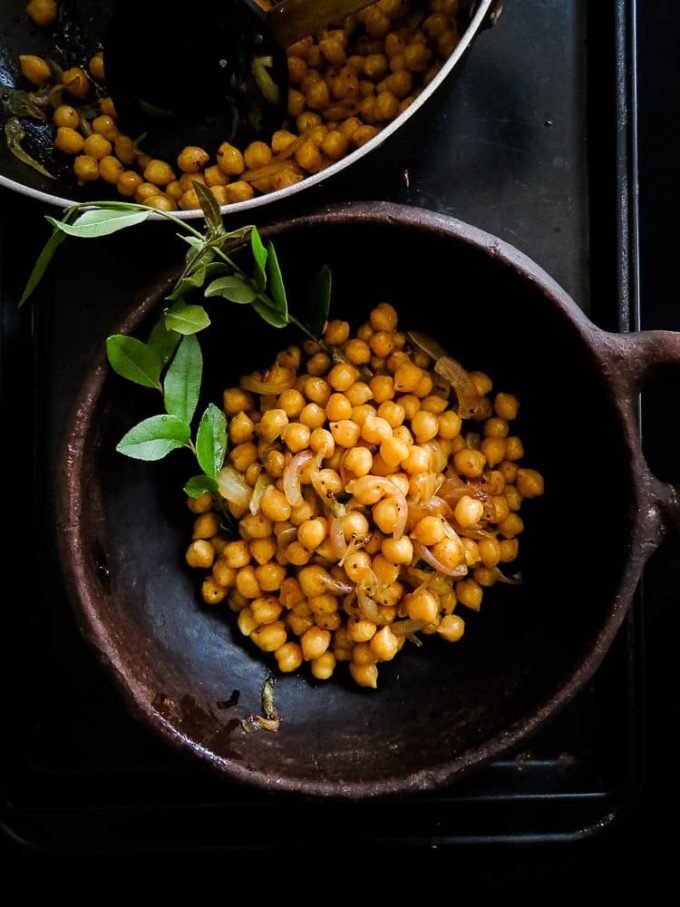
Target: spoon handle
(291, 20)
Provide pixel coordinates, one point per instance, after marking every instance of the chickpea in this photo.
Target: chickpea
(68, 140)
(357, 351)
(246, 622)
(469, 593)
(394, 413)
(270, 637)
(417, 461)
(97, 146)
(239, 191)
(361, 630)
(76, 82)
(494, 450)
(222, 574)
(365, 675)
(468, 511)
(397, 551)
(108, 108)
(96, 66)
(64, 115)
(530, 483)
(422, 605)
(424, 426)
(509, 471)
(386, 515)
(270, 576)
(356, 565)
(288, 657)
(110, 169)
(297, 554)
(483, 384)
(469, 463)
(335, 334)
(35, 69)
(206, 525)
(42, 12)
(451, 627)
(509, 550)
(200, 553)
(128, 183)
(86, 168)
(384, 644)
(262, 550)
(312, 533)
(246, 582)
(382, 387)
(202, 504)
(345, 433)
(314, 642)
(230, 160)
(296, 436)
(338, 408)
(323, 666)
(511, 526)
(266, 609)
(429, 530)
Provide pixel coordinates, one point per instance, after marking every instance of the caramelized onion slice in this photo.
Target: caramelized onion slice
(422, 551)
(291, 477)
(233, 487)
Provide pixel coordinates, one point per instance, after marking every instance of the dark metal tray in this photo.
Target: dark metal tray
(534, 141)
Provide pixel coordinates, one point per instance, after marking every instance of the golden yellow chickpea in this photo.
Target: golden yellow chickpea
(384, 644)
(65, 115)
(382, 387)
(494, 450)
(469, 593)
(35, 69)
(288, 657)
(110, 169)
(511, 526)
(240, 191)
(468, 511)
(365, 675)
(68, 140)
(96, 66)
(509, 550)
(76, 82)
(424, 426)
(230, 160)
(429, 530)
(357, 351)
(394, 413)
(469, 463)
(386, 515)
(97, 146)
(314, 642)
(206, 525)
(222, 574)
(308, 156)
(262, 550)
(422, 605)
(270, 637)
(338, 407)
(158, 172)
(312, 533)
(417, 461)
(356, 565)
(530, 483)
(246, 622)
(345, 433)
(192, 158)
(211, 592)
(128, 183)
(397, 551)
(86, 168)
(506, 406)
(200, 553)
(483, 384)
(246, 582)
(42, 12)
(451, 627)
(323, 666)
(266, 609)
(296, 436)
(201, 504)
(108, 108)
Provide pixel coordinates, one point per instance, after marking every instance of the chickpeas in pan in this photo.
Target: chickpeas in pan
(368, 510)
(346, 84)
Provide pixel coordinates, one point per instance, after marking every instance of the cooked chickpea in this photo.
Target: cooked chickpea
(98, 147)
(424, 426)
(494, 450)
(451, 627)
(76, 82)
(397, 551)
(469, 593)
(468, 511)
(68, 140)
(364, 675)
(386, 515)
(357, 351)
(288, 657)
(64, 115)
(200, 554)
(469, 463)
(530, 483)
(384, 644)
(356, 565)
(417, 461)
(323, 666)
(315, 642)
(42, 12)
(110, 169)
(86, 168)
(206, 526)
(338, 408)
(422, 605)
(262, 550)
(429, 530)
(270, 637)
(35, 69)
(450, 551)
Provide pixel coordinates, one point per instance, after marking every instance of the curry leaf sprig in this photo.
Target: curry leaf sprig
(170, 360)
(210, 265)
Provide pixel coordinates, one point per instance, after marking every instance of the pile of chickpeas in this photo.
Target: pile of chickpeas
(341, 437)
(346, 83)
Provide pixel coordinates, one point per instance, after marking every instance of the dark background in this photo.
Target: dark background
(641, 842)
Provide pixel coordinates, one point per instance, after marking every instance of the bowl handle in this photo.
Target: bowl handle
(631, 359)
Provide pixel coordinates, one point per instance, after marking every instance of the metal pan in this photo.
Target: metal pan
(78, 44)
(440, 711)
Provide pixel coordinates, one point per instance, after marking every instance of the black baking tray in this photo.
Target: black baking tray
(533, 140)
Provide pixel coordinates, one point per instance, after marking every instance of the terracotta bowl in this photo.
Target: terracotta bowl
(442, 710)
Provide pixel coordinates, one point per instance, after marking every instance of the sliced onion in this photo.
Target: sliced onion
(422, 551)
(440, 454)
(233, 487)
(368, 607)
(406, 627)
(336, 533)
(336, 586)
(291, 477)
(263, 482)
(260, 386)
(389, 488)
(452, 372)
(514, 580)
(434, 506)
